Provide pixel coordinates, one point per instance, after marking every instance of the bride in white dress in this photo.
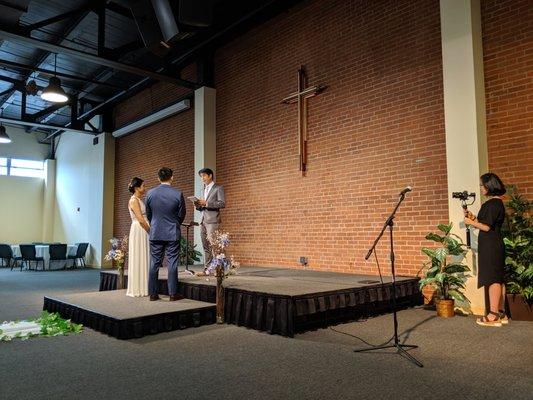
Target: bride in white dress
(138, 245)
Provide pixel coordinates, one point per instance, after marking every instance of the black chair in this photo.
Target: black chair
(58, 252)
(28, 255)
(80, 254)
(6, 254)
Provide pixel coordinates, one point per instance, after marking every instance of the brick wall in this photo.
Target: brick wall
(508, 61)
(376, 129)
(168, 143)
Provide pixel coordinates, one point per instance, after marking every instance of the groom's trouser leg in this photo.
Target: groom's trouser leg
(207, 230)
(157, 252)
(173, 259)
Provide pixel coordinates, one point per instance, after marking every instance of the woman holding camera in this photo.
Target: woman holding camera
(491, 248)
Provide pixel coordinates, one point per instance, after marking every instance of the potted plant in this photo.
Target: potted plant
(445, 271)
(188, 253)
(518, 239)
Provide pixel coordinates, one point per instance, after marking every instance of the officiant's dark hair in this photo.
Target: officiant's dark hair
(164, 174)
(207, 171)
(135, 183)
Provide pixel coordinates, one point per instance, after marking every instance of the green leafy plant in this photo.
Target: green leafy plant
(194, 255)
(445, 270)
(50, 324)
(518, 238)
(53, 325)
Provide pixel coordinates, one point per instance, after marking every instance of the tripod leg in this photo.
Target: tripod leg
(405, 354)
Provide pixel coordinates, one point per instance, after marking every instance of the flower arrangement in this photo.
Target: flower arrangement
(119, 249)
(221, 266)
(221, 263)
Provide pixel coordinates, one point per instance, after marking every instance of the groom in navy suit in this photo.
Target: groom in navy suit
(165, 209)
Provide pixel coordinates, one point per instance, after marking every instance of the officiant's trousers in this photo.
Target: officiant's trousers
(158, 249)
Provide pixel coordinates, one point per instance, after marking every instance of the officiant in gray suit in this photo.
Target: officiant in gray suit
(210, 205)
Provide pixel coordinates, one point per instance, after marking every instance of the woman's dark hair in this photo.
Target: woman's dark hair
(164, 174)
(207, 171)
(493, 184)
(135, 183)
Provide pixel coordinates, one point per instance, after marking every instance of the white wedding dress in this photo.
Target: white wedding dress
(138, 256)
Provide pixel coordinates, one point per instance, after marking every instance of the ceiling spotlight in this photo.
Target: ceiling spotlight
(54, 92)
(4, 138)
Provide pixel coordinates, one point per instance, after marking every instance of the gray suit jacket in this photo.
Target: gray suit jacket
(165, 210)
(216, 200)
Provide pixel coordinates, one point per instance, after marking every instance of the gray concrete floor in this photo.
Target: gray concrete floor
(461, 359)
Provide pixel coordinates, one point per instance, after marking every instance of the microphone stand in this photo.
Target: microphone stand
(400, 347)
(187, 226)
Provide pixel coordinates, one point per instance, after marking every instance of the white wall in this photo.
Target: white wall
(23, 145)
(82, 192)
(21, 198)
(21, 209)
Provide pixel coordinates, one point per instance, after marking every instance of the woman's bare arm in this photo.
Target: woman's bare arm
(136, 208)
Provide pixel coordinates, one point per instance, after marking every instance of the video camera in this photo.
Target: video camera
(464, 196)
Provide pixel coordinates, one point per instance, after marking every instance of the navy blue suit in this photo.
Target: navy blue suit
(165, 210)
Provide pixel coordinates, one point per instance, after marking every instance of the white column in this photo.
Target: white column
(49, 200)
(108, 194)
(464, 113)
(204, 143)
(84, 193)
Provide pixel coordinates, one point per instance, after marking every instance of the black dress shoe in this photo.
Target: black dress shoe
(154, 297)
(176, 297)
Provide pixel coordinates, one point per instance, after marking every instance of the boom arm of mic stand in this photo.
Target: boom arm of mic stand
(387, 223)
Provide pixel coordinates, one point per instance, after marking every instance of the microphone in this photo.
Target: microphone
(407, 189)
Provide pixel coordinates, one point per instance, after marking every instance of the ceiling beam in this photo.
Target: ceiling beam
(9, 4)
(47, 72)
(57, 18)
(17, 83)
(120, 10)
(43, 55)
(12, 121)
(55, 48)
(119, 51)
(5, 92)
(48, 110)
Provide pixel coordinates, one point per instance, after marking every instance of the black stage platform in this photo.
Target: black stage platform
(285, 301)
(125, 317)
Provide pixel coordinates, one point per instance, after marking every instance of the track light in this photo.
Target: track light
(54, 92)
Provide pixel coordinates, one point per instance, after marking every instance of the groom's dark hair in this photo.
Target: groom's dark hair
(207, 171)
(164, 174)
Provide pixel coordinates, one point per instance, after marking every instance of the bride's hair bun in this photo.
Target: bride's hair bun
(135, 183)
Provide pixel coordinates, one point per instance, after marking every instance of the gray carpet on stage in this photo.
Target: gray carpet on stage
(117, 305)
(462, 360)
(285, 281)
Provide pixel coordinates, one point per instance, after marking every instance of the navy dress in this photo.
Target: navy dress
(490, 244)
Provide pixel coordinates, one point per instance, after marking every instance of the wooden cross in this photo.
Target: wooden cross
(301, 97)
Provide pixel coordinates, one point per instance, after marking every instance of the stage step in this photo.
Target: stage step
(123, 317)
